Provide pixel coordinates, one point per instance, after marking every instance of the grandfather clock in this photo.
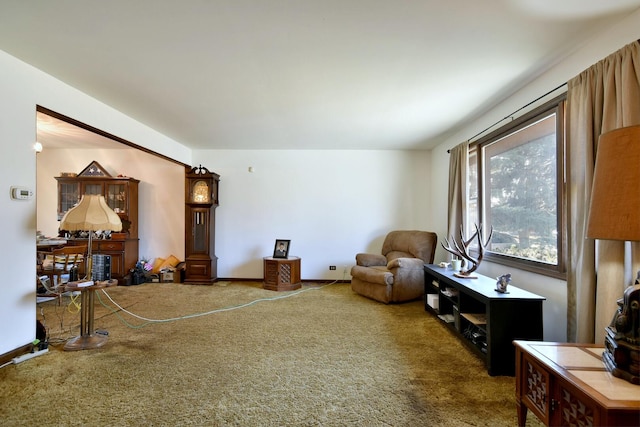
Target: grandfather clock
(201, 192)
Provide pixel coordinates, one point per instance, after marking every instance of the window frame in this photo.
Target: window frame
(557, 106)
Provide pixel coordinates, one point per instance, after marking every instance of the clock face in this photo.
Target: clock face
(200, 192)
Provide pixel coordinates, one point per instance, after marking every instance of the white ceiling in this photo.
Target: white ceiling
(54, 133)
(295, 74)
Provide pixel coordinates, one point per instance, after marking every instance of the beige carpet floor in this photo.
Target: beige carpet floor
(234, 354)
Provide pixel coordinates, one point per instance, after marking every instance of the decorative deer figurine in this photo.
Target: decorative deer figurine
(462, 250)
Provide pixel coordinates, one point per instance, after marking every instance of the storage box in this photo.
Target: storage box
(167, 276)
(173, 274)
(178, 274)
(432, 301)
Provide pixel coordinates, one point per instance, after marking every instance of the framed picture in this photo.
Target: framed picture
(281, 250)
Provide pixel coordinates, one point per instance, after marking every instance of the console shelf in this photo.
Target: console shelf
(486, 320)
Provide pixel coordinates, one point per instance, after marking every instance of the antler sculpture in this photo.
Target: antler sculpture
(462, 249)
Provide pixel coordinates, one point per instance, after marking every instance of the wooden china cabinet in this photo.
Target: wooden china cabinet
(121, 194)
(201, 200)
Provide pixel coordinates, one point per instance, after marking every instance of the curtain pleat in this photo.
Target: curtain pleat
(458, 172)
(604, 97)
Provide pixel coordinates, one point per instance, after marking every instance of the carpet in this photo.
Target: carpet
(234, 354)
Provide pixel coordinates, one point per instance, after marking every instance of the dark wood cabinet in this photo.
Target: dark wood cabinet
(121, 194)
(201, 192)
(123, 253)
(486, 320)
(282, 274)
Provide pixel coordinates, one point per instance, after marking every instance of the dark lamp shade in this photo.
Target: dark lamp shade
(91, 214)
(614, 213)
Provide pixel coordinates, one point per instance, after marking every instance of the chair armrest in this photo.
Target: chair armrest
(405, 263)
(370, 260)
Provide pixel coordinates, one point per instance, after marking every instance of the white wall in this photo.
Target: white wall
(160, 193)
(22, 88)
(592, 51)
(18, 162)
(330, 204)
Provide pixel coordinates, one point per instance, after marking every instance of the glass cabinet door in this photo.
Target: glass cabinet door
(116, 197)
(199, 241)
(92, 188)
(69, 196)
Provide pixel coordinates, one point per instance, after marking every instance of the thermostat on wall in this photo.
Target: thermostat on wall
(21, 193)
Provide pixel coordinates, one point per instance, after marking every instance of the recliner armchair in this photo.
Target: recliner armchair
(397, 275)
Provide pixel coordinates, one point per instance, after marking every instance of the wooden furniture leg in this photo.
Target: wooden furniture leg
(87, 339)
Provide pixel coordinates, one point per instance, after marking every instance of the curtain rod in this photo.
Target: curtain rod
(511, 115)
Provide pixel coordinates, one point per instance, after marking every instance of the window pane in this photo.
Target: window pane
(521, 192)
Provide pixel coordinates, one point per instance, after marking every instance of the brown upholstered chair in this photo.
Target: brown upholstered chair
(397, 275)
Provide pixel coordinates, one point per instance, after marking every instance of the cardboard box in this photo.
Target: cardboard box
(167, 276)
(173, 275)
(178, 274)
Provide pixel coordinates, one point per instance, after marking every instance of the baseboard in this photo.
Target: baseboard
(236, 279)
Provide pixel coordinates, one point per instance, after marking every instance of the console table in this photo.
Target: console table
(282, 274)
(486, 320)
(567, 384)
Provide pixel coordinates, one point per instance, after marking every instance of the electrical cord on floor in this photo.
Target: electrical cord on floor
(74, 305)
(63, 333)
(148, 322)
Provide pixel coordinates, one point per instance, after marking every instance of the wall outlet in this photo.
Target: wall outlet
(332, 267)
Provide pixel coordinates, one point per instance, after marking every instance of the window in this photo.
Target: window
(516, 182)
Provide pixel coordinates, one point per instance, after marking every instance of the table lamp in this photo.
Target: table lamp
(91, 214)
(614, 214)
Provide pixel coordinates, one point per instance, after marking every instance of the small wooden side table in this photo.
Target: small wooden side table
(567, 384)
(282, 274)
(87, 339)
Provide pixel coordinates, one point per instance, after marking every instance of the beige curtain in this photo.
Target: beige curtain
(458, 172)
(601, 98)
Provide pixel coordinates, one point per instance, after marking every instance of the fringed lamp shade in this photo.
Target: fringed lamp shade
(614, 213)
(91, 214)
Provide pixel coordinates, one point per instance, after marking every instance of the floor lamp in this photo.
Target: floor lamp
(614, 214)
(91, 214)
